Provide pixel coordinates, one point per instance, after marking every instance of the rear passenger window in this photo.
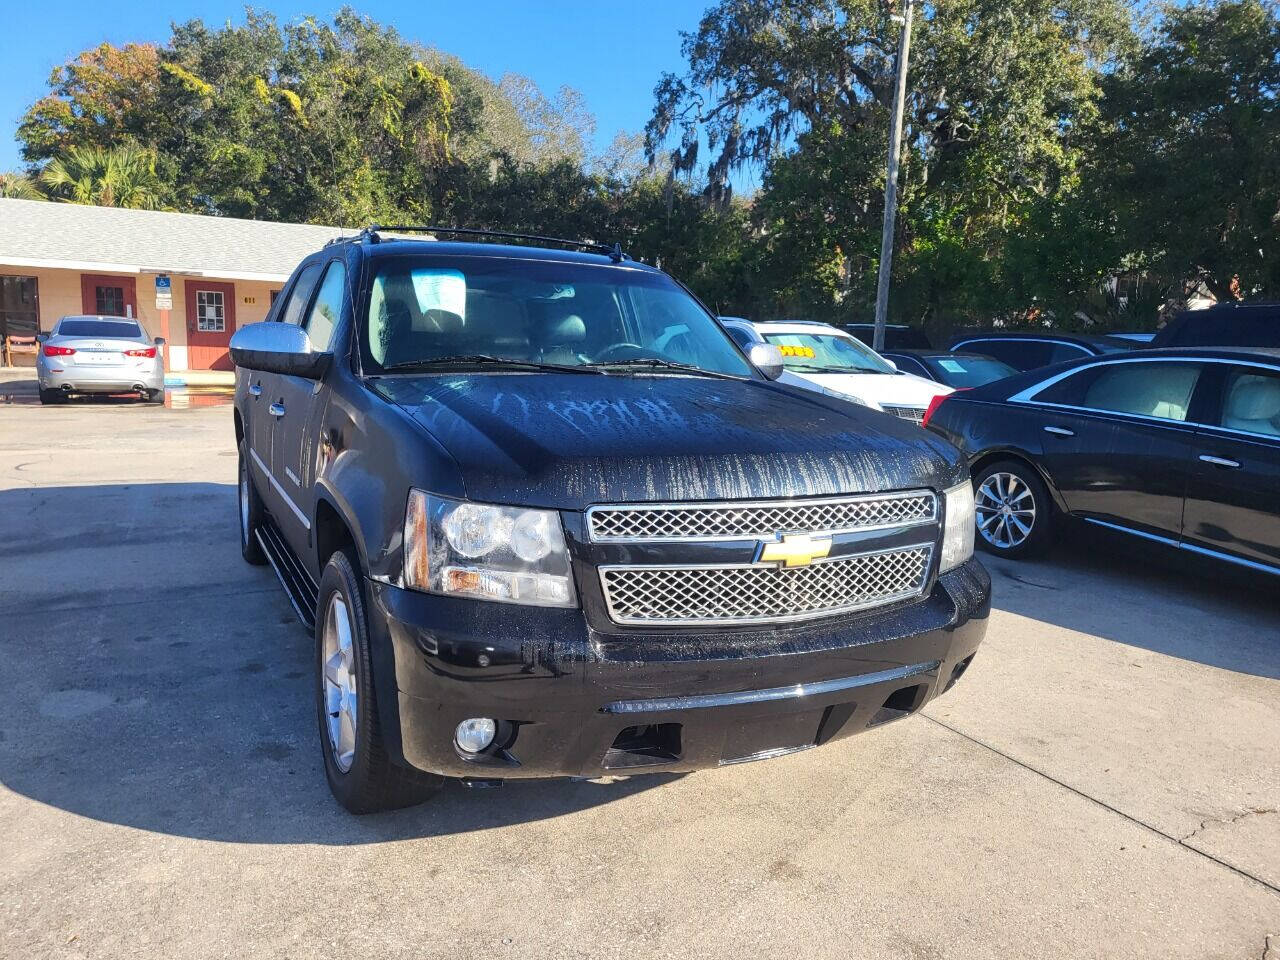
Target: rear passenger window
(1251, 402)
(1060, 352)
(299, 295)
(328, 307)
(1019, 354)
(1157, 389)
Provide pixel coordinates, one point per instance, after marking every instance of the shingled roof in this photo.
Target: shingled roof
(71, 236)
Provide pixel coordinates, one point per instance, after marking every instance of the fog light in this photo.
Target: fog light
(475, 734)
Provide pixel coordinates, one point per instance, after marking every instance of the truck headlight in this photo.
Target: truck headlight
(508, 554)
(957, 531)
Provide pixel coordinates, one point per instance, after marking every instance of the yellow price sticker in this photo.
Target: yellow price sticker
(796, 351)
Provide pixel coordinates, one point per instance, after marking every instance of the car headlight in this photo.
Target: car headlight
(958, 529)
(508, 554)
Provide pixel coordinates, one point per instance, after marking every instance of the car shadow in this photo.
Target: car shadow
(163, 684)
(1137, 593)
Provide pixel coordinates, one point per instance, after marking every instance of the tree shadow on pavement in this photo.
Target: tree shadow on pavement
(1148, 596)
(161, 683)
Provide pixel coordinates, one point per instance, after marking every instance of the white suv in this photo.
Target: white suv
(818, 356)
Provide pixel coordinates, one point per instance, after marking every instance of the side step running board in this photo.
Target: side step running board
(298, 585)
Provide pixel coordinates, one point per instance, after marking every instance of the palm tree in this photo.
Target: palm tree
(18, 186)
(123, 176)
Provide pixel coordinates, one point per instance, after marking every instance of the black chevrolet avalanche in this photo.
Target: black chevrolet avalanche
(546, 519)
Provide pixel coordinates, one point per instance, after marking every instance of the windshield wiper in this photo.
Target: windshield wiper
(813, 368)
(657, 363)
(486, 360)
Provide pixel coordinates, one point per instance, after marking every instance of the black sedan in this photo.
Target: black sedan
(1178, 446)
(960, 371)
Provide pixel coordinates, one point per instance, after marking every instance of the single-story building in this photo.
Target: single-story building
(190, 279)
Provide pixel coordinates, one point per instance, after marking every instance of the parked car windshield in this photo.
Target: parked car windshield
(492, 309)
(962, 372)
(125, 329)
(827, 353)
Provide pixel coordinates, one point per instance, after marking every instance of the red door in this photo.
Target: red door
(108, 296)
(211, 320)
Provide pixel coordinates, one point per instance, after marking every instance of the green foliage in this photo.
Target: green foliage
(1193, 177)
(19, 186)
(1050, 145)
(124, 176)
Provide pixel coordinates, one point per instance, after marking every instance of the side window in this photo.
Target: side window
(1251, 402)
(1019, 354)
(909, 364)
(328, 306)
(1059, 352)
(299, 295)
(1156, 389)
(739, 336)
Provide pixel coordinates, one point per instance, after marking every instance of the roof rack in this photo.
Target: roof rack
(612, 251)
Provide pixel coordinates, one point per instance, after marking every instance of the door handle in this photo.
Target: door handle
(276, 409)
(1220, 461)
(255, 389)
(1060, 431)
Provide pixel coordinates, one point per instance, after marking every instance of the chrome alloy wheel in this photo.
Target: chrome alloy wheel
(340, 690)
(1006, 510)
(245, 532)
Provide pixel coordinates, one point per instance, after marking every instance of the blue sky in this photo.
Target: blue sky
(612, 53)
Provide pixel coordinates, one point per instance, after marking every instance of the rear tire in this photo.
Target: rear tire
(361, 775)
(156, 396)
(1013, 510)
(249, 512)
(51, 397)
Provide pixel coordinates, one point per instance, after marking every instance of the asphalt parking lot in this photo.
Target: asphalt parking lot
(1104, 782)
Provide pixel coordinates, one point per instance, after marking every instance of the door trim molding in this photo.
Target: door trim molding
(1183, 545)
(275, 485)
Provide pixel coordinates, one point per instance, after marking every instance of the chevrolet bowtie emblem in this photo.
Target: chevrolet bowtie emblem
(794, 550)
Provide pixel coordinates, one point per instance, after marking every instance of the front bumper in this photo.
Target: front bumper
(114, 378)
(573, 701)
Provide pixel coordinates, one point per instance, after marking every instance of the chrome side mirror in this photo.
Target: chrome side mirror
(767, 359)
(42, 336)
(278, 348)
(159, 341)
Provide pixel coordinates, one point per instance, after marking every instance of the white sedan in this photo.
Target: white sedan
(818, 356)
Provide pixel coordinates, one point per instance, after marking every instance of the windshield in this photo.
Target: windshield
(495, 309)
(826, 353)
(964, 372)
(125, 329)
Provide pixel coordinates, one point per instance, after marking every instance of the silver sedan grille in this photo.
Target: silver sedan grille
(760, 519)
(755, 593)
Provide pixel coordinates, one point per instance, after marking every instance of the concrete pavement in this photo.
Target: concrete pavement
(1104, 781)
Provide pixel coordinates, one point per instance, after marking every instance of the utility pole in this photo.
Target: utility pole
(891, 179)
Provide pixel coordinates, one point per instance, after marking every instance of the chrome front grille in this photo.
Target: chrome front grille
(760, 519)
(914, 414)
(758, 593)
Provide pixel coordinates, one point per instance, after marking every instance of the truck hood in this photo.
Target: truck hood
(567, 441)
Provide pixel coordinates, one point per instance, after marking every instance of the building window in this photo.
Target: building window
(19, 307)
(109, 301)
(209, 315)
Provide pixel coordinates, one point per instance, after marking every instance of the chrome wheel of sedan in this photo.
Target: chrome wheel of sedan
(340, 688)
(1006, 510)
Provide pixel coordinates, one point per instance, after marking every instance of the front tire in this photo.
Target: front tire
(249, 511)
(361, 775)
(1012, 509)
